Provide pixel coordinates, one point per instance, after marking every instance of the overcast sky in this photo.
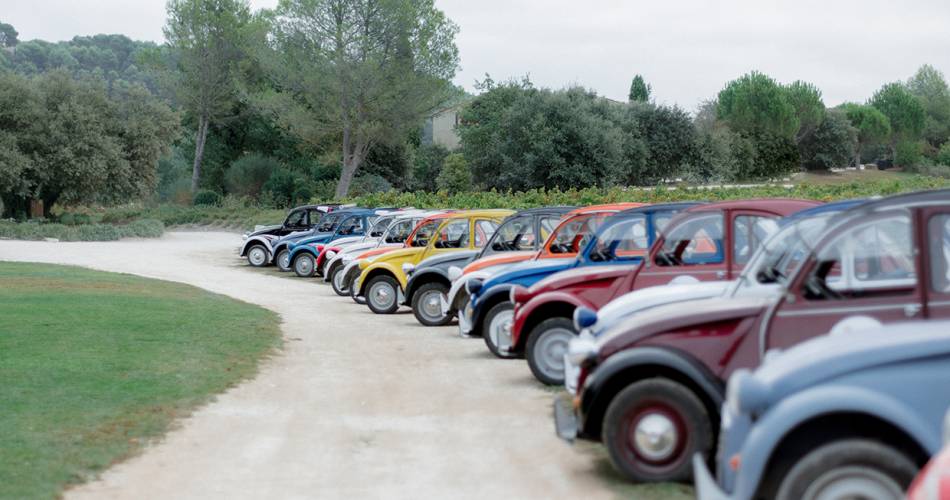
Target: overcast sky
(687, 49)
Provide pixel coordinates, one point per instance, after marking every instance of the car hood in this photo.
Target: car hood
(654, 296)
(579, 275)
(829, 356)
(443, 261)
(347, 240)
(674, 317)
(527, 270)
(400, 253)
(259, 230)
(498, 259)
(358, 247)
(301, 235)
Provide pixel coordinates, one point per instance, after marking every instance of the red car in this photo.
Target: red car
(705, 243)
(651, 388)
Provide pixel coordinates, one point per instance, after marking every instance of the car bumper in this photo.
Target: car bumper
(705, 483)
(565, 420)
(457, 289)
(572, 375)
(466, 320)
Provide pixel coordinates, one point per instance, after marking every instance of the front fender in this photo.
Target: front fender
(796, 410)
(624, 368)
(323, 254)
(256, 240)
(421, 277)
(302, 249)
(381, 267)
(529, 314)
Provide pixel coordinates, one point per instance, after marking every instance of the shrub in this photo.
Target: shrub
(831, 145)
(943, 155)
(144, 228)
(368, 184)
(207, 198)
(427, 161)
(246, 176)
(302, 195)
(908, 154)
(455, 176)
(279, 188)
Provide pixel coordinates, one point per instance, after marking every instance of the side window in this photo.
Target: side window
(515, 234)
(454, 234)
(875, 258)
(297, 219)
(626, 239)
(697, 240)
(484, 230)
(939, 237)
(315, 216)
(748, 232)
(352, 225)
(425, 233)
(400, 231)
(379, 226)
(548, 224)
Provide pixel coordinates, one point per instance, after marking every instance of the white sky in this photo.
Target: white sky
(687, 49)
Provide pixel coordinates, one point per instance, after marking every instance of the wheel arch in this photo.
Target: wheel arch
(372, 272)
(496, 295)
(543, 307)
(424, 277)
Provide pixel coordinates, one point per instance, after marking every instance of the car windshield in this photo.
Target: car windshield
(515, 234)
(626, 239)
(573, 235)
(379, 227)
(398, 231)
(329, 222)
(424, 233)
(779, 257)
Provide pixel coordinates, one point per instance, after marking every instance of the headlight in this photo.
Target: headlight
(454, 273)
(473, 287)
(331, 254)
(584, 318)
(746, 394)
(408, 268)
(581, 348)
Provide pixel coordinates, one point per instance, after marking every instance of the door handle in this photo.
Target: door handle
(911, 310)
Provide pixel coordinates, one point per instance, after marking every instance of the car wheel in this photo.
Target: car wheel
(283, 260)
(849, 468)
(653, 428)
(427, 304)
(304, 265)
(257, 256)
(546, 347)
(496, 329)
(382, 294)
(336, 280)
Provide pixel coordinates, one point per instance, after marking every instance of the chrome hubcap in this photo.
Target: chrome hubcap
(382, 295)
(305, 265)
(431, 305)
(853, 482)
(655, 436)
(283, 260)
(257, 255)
(499, 330)
(550, 350)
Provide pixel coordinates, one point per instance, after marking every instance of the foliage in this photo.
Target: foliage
(930, 88)
(280, 187)
(370, 183)
(455, 177)
(427, 161)
(639, 90)
(871, 125)
(831, 145)
(358, 72)
(207, 198)
(8, 35)
(72, 230)
(669, 139)
(755, 104)
(805, 99)
(97, 365)
(904, 112)
(247, 176)
(943, 156)
(908, 154)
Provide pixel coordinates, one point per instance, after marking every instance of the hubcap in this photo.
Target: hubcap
(431, 305)
(499, 330)
(305, 265)
(382, 295)
(655, 436)
(283, 260)
(853, 482)
(257, 256)
(550, 350)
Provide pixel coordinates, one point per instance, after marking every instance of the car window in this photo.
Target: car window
(454, 234)
(351, 225)
(515, 234)
(939, 237)
(623, 240)
(379, 226)
(695, 240)
(660, 221)
(748, 233)
(315, 216)
(398, 232)
(875, 257)
(329, 222)
(548, 224)
(424, 233)
(297, 218)
(484, 230)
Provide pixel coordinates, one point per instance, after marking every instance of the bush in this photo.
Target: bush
(207, 198)
(144, 228)
(368, 184)
(908, 154)
(943, 155)
(302, 195)
(831, 145)
(455, 176)
(427, 161)
(247, 176)
(279, 188)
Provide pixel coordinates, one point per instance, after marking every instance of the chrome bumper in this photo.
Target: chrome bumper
(465, 321)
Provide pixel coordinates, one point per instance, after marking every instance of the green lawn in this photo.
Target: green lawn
(93, 365)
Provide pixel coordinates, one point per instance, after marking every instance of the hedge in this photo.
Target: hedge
(144, 228)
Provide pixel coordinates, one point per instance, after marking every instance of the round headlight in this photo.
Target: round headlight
(518, 295)
(473, 286)
(584, 317)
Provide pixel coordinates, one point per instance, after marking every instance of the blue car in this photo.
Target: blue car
(303, 253)
(853, 414)
(489, 307)
(326, 227)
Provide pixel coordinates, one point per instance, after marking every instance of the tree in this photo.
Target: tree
(455, 176)
(358, 72)
(871, 125)
(930, 88)
(8, 35)
(805, 99)
(670, 139)
(208, 39)
(755, 104)
(831, 145)
(904, 112)
(639, 90)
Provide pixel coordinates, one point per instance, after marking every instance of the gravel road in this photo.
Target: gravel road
(355, 405)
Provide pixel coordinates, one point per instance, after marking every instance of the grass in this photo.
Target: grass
(143, 228)
(94, 365)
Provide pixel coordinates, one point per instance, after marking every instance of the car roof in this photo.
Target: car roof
(785, 206)
(483, 212)
(662, 207)
(908, 200)
(544, 210)
(606, 207)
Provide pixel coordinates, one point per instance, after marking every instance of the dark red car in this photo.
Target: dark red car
(705, 243)
(651, 388)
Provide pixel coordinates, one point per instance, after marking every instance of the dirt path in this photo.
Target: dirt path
(355, 405)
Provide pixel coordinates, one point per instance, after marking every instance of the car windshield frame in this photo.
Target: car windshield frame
(598, 250)
(586, 221)
(795, 239)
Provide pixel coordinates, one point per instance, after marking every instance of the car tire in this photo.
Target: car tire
(282, 260)
(545, 349)
(857, 466)
(427, 304)
(496, 322)
(304, 265)
(257, 256)
(653, 428)
(336, 280)
(382, 294)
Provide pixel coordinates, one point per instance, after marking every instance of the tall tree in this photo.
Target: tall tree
(805, 99)
(8, 35)
(755, 104)
(930, 87)
(639, 90)
(208, 39)
(831, 144)
(903, 110)
(872, 126)
(358, 72)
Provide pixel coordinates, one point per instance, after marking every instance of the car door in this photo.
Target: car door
(692, 248)
(936, 232)
(867, 269)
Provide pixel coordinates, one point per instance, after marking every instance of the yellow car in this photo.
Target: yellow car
(383, 279)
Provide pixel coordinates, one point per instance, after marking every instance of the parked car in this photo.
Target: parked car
(383, 280)
(853, 414)
(706, 243)
(488, 310)
(256, 246)
(518, 238)
(327, 225)
(884, 259)
(933, 482)
(356, 224)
